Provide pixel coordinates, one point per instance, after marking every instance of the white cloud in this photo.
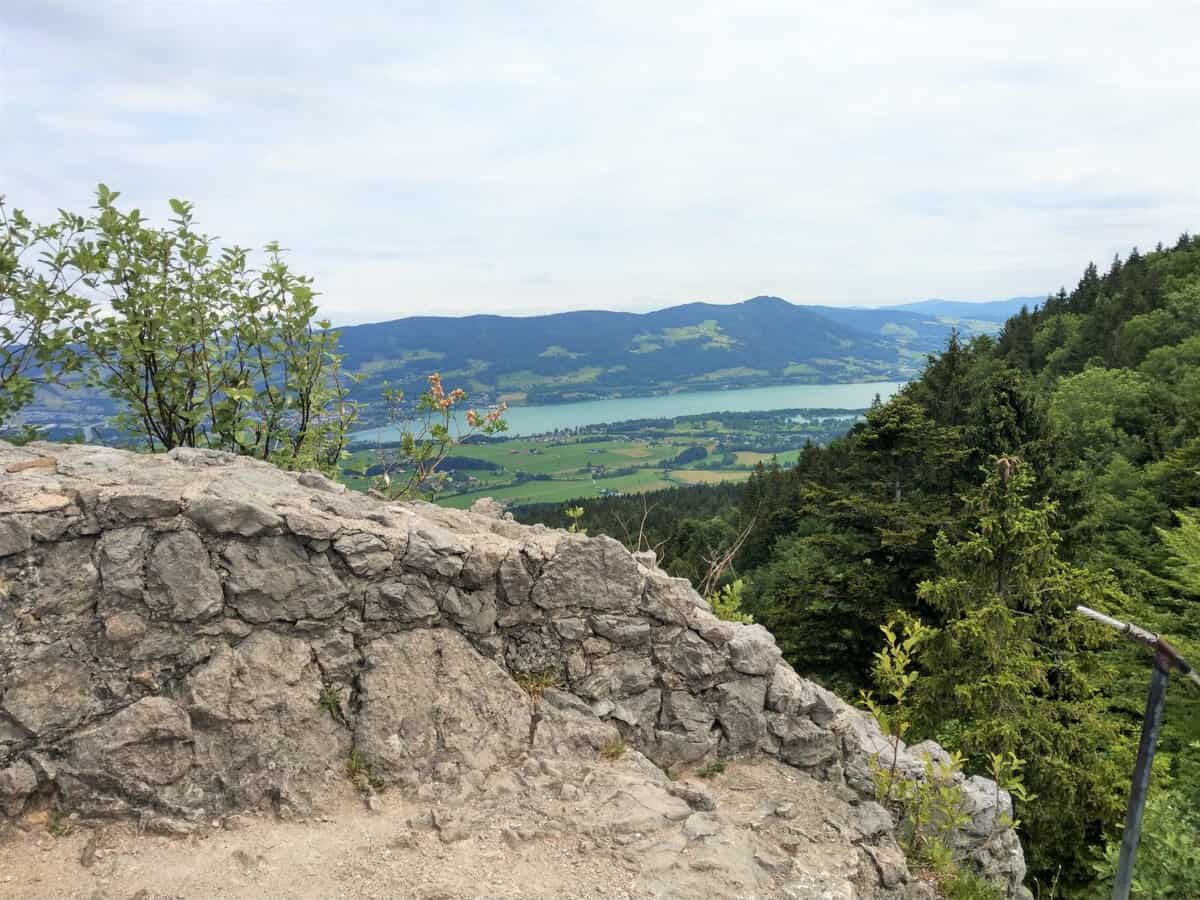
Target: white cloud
(538, 156)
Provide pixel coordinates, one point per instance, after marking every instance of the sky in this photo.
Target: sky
(524, 157)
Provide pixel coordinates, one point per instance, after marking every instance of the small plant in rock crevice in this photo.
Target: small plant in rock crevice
(712, 770)
(331, 702)
(537, 683)
(575, 513)
(931, 809)
(358, 770)
(727, 603)
(356, 765)
(613, 748)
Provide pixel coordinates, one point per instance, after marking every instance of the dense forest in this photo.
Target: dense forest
(1057, 463)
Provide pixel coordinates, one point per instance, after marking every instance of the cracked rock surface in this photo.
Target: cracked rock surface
(191, 637)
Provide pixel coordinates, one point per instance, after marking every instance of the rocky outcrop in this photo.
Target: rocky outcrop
(190, 634)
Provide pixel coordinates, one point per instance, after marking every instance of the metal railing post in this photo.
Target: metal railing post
(1141, 781)
(1166, 658)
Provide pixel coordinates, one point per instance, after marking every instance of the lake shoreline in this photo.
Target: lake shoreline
(540, 419)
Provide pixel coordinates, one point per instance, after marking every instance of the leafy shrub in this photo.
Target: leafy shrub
(1168, 859)
(427, 436)
(40, 312)
(203, 348)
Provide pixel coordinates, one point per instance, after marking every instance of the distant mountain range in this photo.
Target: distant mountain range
(698, 346)
(594, 355)
(991, 311)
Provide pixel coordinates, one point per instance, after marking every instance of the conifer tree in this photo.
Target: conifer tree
(1013, 670)
(1184, 544)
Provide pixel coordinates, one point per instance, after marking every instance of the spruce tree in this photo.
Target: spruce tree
(1012, 669)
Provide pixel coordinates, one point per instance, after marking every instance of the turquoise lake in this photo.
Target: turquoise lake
(527, 420)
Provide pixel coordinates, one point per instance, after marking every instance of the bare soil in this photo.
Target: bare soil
(344, 852)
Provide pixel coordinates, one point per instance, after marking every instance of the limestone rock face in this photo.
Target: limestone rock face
(180, 577)
(192, 634)
(261, 734)
(431, 705)
(137, 753)
(277, 578)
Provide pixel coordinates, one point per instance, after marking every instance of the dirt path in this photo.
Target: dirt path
(346, 852)
(616, 830)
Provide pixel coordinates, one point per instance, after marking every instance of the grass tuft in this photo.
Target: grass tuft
(613, 748)
(537, 683)
(331, 702)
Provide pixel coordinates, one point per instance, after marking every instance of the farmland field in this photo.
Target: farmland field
(708, 476)
(606, 460)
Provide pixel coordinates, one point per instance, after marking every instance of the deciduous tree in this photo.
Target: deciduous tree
(41, 309)
(205, 349)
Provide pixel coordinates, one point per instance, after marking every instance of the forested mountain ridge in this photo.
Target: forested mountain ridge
(696, 346)
(1057, 463)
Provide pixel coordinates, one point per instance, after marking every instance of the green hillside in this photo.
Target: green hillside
(590, 355)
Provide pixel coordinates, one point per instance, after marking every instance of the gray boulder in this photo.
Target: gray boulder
(127, 758)
(752, 650)
(409, 598)
(122, 555)
(15, 536)
(740, 713)
(364, 553)
(259, 731)
(17, 782)
(590, 573)
(233, 517)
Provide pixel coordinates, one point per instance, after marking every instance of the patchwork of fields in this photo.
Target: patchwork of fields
(549, 471)
(626, 458)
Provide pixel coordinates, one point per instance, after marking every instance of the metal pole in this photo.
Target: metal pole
(1141, 779)
(1166, 658)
